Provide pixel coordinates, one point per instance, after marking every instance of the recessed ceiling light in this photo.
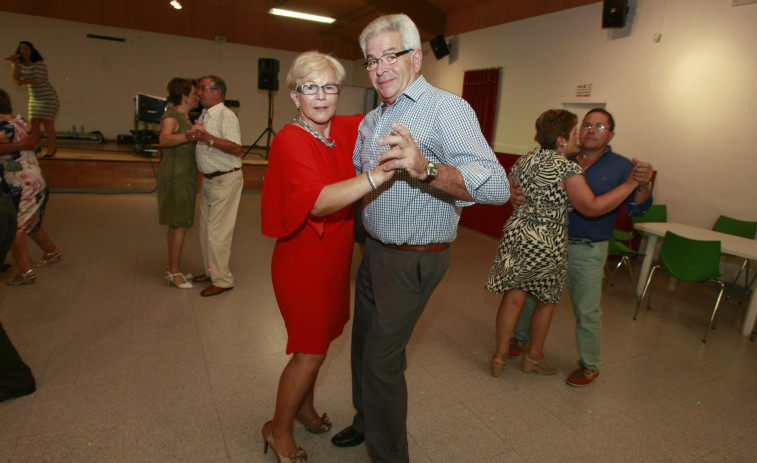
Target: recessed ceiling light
(298, 15)
(176, 4)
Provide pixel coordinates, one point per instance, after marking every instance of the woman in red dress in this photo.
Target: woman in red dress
(309, 190)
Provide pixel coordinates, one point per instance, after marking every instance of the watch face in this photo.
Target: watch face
(432, 170)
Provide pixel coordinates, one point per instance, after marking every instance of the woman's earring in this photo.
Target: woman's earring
(564, 145)
(298, 105)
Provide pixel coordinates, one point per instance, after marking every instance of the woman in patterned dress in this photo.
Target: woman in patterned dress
(177, 174)
(23, 181)
(30, 69)
(532, 256)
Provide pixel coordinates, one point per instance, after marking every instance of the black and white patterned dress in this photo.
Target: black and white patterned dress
(533, 253)
(43, 100)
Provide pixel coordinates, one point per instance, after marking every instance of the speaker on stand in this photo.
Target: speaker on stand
(268, 79)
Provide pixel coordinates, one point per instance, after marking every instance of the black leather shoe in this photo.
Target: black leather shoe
(347, 437)
(12, 395)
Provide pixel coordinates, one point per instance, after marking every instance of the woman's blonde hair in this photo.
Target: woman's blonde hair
(312, 62)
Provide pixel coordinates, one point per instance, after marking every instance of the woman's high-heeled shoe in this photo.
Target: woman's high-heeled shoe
(26, 278)
(498, 367)
(542, 367)
(48, 258)
(316, 428)
(298, 457)
(50, 154)
(170, 280)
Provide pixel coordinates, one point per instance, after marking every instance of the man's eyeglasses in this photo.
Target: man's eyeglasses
(207, 89)
(599, 127)
(389, 58)
(313, 89)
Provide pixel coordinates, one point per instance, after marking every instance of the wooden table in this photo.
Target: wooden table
(729, 244)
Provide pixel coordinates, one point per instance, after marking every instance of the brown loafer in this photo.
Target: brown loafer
(201, 278)
(214, 290)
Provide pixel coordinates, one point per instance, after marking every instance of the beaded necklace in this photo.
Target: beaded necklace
(312, 131)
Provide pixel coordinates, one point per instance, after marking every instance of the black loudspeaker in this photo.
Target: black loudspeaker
(614, 13)
(439, 47)
(268, 74)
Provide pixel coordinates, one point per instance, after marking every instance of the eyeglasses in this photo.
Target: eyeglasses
(389, 58)
(206, 88)
(599, 127)
(313, 89)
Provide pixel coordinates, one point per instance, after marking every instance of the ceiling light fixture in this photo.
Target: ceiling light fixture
(176, 4)
(298, 15)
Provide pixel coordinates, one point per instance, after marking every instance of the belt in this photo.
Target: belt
(432, 247)
(585, 241)
(217, 173)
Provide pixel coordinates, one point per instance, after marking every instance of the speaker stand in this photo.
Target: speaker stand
(268, 132)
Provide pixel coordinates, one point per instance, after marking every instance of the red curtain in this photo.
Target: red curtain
(480, 90)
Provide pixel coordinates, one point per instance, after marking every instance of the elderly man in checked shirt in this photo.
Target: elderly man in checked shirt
(219, 158)
(444, 163)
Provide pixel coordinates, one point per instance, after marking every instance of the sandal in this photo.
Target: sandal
(26, 278)
(498, 367)
(48, 258)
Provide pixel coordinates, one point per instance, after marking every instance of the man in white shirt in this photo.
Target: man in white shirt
(219, 158)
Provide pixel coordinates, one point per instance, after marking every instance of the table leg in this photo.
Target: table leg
(646, 264)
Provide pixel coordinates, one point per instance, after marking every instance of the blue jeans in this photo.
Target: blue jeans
(584, 281)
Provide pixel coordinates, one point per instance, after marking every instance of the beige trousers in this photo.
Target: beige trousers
(218, 215)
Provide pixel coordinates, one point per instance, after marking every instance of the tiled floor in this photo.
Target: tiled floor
(131, 370)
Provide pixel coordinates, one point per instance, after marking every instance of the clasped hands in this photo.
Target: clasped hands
(198, 133)
(642, 172)
(403, 153)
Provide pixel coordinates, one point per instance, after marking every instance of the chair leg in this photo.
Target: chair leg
(627, 261)
(715, 310)
(644, 293)
(748, 287)
(744, 265)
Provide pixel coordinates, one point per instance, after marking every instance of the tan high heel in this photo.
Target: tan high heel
(48, 258)
(26, 278)
(298, 457)
(170, 280)
(316, 428)
(498, 367)
(542, 367)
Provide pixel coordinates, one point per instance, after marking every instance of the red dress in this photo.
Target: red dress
(311, 261)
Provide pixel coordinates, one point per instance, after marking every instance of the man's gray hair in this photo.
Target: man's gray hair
(411, 39)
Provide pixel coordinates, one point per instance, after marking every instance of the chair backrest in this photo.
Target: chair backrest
(690, 260)
(736, 227)
(655, 213)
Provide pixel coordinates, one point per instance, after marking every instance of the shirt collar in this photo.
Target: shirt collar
(413, 91)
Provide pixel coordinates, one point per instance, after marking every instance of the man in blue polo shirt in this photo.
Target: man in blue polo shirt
(588, 240)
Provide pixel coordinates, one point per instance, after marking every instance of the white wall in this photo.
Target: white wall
(97, 80)
(686, 104)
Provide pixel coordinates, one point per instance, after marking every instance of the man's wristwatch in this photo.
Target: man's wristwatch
(212, 141)
(432, 171)
(645, 188)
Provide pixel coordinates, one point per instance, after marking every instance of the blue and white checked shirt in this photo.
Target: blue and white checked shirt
(406, 210)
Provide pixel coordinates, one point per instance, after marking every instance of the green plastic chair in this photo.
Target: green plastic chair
(655, 213)
(615, 247)
(688, 260)
(742, 228)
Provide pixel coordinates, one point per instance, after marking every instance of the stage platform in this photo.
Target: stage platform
(112, 167)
